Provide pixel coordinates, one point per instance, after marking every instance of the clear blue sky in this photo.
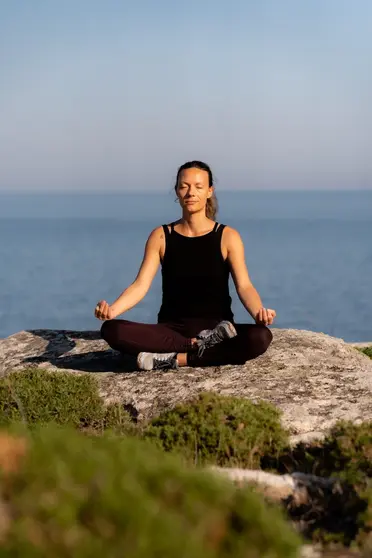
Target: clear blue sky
(116, 94)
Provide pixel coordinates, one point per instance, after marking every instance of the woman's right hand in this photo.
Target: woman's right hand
(103, 311)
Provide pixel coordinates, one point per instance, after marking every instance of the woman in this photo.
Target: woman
(195, 322)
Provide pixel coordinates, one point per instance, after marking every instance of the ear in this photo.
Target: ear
(210, 192)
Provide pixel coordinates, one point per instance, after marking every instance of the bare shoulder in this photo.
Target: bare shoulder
(156, 241)
(157, 234)
(231, 237)
(231, 242)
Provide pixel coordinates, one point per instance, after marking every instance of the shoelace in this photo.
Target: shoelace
(208, 342)
(164, 363)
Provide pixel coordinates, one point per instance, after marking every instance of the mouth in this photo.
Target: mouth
(190, 202)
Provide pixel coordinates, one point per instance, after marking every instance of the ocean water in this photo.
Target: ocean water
(309, 255)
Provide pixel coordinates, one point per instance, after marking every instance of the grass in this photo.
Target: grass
(64, 494)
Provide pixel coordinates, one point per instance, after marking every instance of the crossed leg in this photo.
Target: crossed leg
(132, 338)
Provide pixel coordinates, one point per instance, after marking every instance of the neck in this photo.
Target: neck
(195, 223)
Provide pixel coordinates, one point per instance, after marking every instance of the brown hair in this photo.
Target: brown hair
(212, 203)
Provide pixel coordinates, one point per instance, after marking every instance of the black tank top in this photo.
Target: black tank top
(195, 277)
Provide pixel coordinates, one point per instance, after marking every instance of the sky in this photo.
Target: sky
(115, 95)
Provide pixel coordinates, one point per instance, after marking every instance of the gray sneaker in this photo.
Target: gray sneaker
(157, 361)
(210, 337)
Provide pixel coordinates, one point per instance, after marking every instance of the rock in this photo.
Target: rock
(313, 378)
(276, 487)
(316, 551)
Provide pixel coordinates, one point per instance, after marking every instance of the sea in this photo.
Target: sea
(309, 254)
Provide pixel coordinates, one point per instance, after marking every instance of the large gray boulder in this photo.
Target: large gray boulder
(313, 378)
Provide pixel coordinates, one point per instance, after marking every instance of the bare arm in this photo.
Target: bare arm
(140, 286)
(247, 293)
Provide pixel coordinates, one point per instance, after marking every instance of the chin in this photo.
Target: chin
(193, 208)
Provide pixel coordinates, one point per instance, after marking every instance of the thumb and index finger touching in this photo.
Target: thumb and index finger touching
(102, 310)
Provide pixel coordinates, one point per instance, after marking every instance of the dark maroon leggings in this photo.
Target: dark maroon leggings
(133, 337)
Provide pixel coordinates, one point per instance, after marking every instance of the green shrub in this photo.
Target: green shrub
(345, 453)
(64, 494)
(38, 397)
(349, 450)
(367, 351)
(220, 430)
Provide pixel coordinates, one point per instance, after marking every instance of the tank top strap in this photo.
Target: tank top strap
(218, 229)
(166, 231)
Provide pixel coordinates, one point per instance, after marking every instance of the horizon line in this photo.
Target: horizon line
(162, 192)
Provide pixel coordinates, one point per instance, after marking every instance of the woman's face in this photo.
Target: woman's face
(193, 189)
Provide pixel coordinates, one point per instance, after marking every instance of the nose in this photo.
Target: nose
(191, 191)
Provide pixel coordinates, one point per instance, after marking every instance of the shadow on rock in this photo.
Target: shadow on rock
(65, 341)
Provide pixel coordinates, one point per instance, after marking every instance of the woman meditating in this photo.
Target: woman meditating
(195, 323)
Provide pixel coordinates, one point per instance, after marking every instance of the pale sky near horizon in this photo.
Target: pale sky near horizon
(115, 95)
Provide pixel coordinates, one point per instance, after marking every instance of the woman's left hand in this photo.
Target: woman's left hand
(265, 316)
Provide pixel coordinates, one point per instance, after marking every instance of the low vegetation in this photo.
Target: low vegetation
(220, 430)
(36, 396)
(342, 514)
(86, 483)
(346, 452)
(64, 494)
(367, 351)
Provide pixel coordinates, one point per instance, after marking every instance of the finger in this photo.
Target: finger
(273, 315)
(264, 316)
(99, 304)
(102, 308)
(260, 315)
(106, 311)
(101, 312)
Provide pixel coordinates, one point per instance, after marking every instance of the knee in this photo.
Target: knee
(263, 338)
(252, 342)
(109, 330)
(257, 341)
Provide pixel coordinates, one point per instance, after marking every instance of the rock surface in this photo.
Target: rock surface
(313, 378)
